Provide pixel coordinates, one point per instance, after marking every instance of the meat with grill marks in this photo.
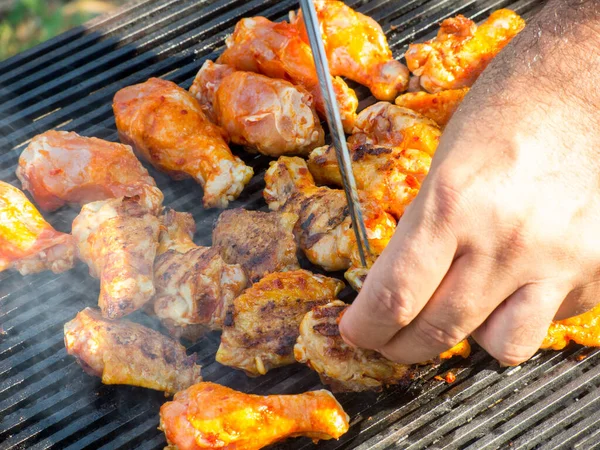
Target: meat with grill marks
(262, 324)
(124, 352)
(118, 239)
(260, 242)
(194, 285)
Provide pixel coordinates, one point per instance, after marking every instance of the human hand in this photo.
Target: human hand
(503, 236)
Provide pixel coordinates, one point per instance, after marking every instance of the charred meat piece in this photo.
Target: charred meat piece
(260, 242)
(344, 368)
(27, 242)
(118, 239)
(263, 114)
(438, 107)
(262, 325)
(59, 167)
(194, 285)
(165, 124)
(211, 416)
(123, 352)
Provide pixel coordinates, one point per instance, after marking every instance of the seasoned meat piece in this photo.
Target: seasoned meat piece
(59, 167)
(265, 115)
(262, 325)
(117, 239)
(165, 124)
(205, 85)
(123, 352)
(210, 416)
(357, 49)
(260, 242)
(27, 242)
(438, 107)
(583, 329)
(344, 368)
(461, 50)
(194, 285)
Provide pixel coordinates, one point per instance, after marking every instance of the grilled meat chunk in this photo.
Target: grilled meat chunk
(461, 50)
(583, 329)
(261, 327)
(165, 124)
(357, 49)
(59, 167)
(265, 115)
(260, 242)
(438, 107)
(27, 242)
(118, 239)
(194, 285)
(123, 352)
(344, 368)
(209, 415)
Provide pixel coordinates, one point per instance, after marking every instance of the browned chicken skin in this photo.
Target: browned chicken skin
(260, 242)
(357, 49)
(344, 368)
(165, 124)
(59, 167)
(194, 285)
(210, 416)
(124, 352)
(28, 243)
(118, 239)
(263, 114)
(276, 49)
(262, 325)
(438, 107)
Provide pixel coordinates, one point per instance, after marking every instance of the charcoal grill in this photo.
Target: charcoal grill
(46, 400)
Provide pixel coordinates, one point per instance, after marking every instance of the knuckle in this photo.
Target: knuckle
(432, 334)
(393, 302)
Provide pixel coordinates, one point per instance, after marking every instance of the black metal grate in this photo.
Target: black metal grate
(46, 400)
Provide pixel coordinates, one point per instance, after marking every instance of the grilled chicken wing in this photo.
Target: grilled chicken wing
(209, 415)
(385, 124)
(583, 329)
(27, 242)
(261, 327)
(461, 50)
(438, 107)
(344, 368)
(117, 239)
(267, 115)
(357, 49)
(324, 228)
(390, 175)
(59, 167)
(123, 352)
(194, 285)
(276, 49)
(165, 124)
(260, 242)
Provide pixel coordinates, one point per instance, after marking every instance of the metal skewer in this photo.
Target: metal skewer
(335, 127)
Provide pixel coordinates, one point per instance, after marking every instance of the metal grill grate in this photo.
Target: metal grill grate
(46, 400)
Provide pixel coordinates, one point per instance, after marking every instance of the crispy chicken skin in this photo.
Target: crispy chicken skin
(583, 329)
(260, 242)
(438, 107)
(28, 243)
(390, 175)
(385, 124)
(211, 416)
(165, 124)
(123, 352)
(262, 325)
(344, 368)
(276, 49)
(357, 49)
(267, 115)
(59, 167)
(461, 50)
(324, 230)
(194, 285)
(118, 239)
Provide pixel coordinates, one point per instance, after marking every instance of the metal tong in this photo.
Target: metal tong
(335, 127)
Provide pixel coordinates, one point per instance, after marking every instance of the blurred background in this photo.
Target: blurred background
(25, 23)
